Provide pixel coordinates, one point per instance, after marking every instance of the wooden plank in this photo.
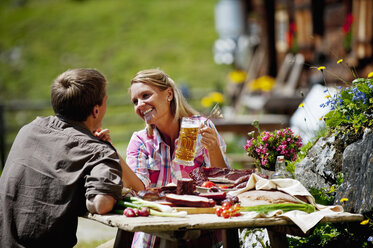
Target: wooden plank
(153, 224)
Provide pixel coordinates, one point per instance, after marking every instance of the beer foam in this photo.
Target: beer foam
(190, 123)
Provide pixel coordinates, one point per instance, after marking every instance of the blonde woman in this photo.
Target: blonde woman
(151, 151)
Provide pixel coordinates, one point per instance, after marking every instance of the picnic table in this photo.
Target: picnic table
(171, 229)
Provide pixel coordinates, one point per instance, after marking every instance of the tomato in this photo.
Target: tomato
(223, 186)
(226, 213)
(227, 205)
(208, 184)
(218, 211)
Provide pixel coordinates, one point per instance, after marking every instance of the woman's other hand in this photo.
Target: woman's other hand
(209, 138)
(103, 134)
(210, 141)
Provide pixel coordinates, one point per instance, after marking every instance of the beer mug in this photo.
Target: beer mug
(186, 146)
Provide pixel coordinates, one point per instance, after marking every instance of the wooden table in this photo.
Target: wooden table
(173, 228)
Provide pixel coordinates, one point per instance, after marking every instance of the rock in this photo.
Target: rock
(321, 165)
(357, 169)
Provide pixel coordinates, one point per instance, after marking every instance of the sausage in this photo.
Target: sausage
(190, 200)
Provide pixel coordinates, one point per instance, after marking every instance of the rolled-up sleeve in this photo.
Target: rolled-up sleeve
(105, 178)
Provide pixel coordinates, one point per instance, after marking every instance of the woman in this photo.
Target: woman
(151, 151)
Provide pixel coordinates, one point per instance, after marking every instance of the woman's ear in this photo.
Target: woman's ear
(170, 94)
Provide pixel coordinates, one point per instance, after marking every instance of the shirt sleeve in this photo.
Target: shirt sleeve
(137, 158)
(105, 176)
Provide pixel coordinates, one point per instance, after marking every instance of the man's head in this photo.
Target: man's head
(77, 92)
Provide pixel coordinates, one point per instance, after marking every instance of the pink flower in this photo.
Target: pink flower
(294, 157)
(266, 136)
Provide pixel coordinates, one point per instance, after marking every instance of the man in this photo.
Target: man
(57, 168)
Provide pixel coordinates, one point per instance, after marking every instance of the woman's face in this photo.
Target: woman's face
(150, 103)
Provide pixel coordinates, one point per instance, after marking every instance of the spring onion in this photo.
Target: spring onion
(156, 209)
(285, 207)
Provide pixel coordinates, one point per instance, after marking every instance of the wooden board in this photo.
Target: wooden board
(191, 210)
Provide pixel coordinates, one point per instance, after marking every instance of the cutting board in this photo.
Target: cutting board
(192, 210)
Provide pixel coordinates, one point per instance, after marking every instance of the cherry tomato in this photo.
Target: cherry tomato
(218, 211)
(227, 205)
(208, 184)
(226, 213)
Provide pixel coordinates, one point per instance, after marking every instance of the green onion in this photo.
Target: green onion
(168, 214)
(156, 209)
(285, 207)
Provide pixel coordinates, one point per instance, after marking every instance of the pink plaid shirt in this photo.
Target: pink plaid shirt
(150, 159)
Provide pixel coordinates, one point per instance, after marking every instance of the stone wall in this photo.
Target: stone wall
(323, 162)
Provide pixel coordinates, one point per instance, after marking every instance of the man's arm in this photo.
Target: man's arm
(100, 204)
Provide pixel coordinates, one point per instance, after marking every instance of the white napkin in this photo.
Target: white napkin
(305, 221)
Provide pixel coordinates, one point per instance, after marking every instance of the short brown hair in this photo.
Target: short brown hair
(75, 92)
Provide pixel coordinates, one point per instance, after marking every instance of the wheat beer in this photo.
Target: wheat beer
(186, 146)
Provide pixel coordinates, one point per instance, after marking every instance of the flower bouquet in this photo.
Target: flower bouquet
(268, 145)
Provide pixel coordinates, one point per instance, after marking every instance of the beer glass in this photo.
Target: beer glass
(186, 146)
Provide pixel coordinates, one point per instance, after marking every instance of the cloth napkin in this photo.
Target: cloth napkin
(305, 221)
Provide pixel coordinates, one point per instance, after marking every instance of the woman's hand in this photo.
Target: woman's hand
(103, 134)
(209, 138)
(210, 141)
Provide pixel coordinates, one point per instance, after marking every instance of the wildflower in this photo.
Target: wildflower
(321, 68)
(343, 200)
(340, 61)
(264, 83)
(327, 96)
(212, 98)
(217, 97)
(301, 105)
(370, 239)
(206, 102)
(370, 74)
(364, 222)
(237, 76)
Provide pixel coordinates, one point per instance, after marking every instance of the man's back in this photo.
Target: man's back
(51, 169)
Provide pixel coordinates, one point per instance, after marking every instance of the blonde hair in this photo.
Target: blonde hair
(156, 77)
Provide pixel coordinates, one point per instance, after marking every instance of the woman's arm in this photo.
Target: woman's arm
(129, 178)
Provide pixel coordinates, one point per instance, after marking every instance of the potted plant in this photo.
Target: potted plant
(265, 147)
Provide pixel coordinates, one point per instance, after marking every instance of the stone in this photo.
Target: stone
(321, 165)
(357, 169)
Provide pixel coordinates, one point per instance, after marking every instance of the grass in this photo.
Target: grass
(42, 38)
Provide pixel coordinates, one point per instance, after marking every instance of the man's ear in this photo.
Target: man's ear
(95, 111)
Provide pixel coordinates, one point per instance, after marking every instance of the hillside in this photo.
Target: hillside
(41, 38)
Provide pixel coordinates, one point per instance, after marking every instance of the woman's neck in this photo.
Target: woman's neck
(170, 132)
